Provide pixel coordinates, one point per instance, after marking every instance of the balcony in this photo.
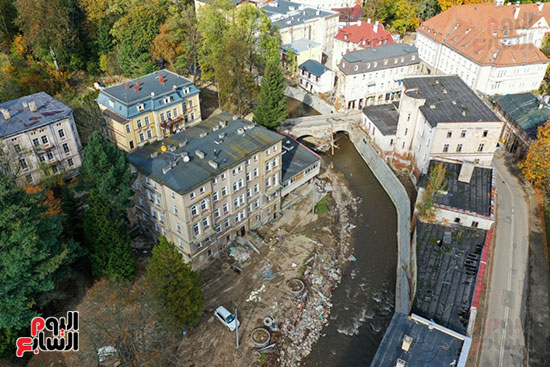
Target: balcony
(171, 123)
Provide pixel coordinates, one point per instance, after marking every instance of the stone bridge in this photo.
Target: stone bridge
(321, 126)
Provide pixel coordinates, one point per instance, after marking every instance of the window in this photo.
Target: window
(66, 148)
(485, 133)
(202, 190)
(146, 119)
(256, 158)
(457, 220)
(224, 191)
(256, 172)
(475, 224)
(449, 134)
(23, 163)
(128, 128)
(190, 103)
(406, 131)
(196, 229)
(227, 222)
(49, 154)
(178, 227)
(218, 228)
(173, 194)
(169, 115)
(248, 192)
(175, 112)
(42, 158)
(162, 118)
(268, 166)
(35, 142)
(205, 222)
(408, 117)
(480, 147)
(204, 205)
(54, 169)
(44, 139)
(141, 137)
(217, 213)
(268, 182)
(445, 148)
(215, 180)
(194, 211)
(463, 134)
(192, 195)
(267, 152)
(248, 176)
(275, 162)
(459, 148)
(139, 124)
(61, 133)
(225, 208)
(215, 196)
(256, 188)
(149, 134)
(70, 162)
(176, 210)
(17, 148)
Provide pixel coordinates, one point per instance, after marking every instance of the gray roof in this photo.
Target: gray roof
(523, 110)
(300, 45)
(296, 158)
(448, 99)
(242, 139)
(447, 263)
(148, 84)
(49, 110)
(396, 55)
(287, 13)
(314, 67)
(384, 116)
(474, 196)
(430, 347)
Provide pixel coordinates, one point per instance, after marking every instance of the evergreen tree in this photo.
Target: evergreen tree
(271, 109)
(175, 284)
(107, 241)
(33, 254)
(106, 169)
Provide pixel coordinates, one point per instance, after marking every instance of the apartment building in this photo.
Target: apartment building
(493, 48)
(373, 76)
(206, 185)
(315, 77)
(148, 108)
(363, 35)
(380, 124)
(38, 138)
(440, 117)
(297, 21)
(303, 50)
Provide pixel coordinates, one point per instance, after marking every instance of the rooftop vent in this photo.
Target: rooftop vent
(240, 131)
(444, 91)
(25, 104)
(152, 94)
(221, 136)
(184, 156)
(400, 363)
(32, 106)
(454, 103)
(218, 142)
(199, 153)
(213, 164)
(203, 134)
(234, 117)
(5, 113)
(407, 341)
(174, 87)
(223, 123)
(183, 143)
(248, 127)
(463, 112)
(215, 128)
(172, 148)
(154, 154)
(166, 169)
(432, 107)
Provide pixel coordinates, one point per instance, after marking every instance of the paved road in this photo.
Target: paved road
(503, 339)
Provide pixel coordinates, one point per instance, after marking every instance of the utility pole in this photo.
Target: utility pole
(236, 328)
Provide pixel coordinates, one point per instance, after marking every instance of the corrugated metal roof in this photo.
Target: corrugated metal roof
(523, 109)
(240, 140)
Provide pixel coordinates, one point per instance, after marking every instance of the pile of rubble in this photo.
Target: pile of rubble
(321, 276)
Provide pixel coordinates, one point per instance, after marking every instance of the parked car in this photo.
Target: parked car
(227, 318)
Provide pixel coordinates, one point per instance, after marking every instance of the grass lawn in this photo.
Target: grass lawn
(322, 206)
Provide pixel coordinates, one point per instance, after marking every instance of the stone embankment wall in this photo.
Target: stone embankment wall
(309, 99)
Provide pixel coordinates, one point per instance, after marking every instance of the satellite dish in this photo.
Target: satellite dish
(163, 148)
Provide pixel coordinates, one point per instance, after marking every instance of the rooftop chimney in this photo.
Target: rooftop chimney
(161, 79)
(127, 86)
(540, 5)
(375, 28)
(136, 88)
(368, 20)
(516, 12)
(5, 113)
(407, 341)
(32, 106)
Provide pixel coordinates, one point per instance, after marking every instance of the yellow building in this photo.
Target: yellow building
(149, 108)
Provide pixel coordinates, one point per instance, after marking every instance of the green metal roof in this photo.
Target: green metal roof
(523, 109)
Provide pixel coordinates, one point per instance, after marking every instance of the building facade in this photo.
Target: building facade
(327, 4)
(363, 35)
(380, 124)
(298, 21)
(315, 77)
(148, 108)
(300, 166)
(494, 49)
(38, 138)
(206, 185)
(303, 50)
(373, 76)
(441, 117)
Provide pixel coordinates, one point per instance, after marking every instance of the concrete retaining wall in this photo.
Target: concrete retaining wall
(309, 99)
(406, 266)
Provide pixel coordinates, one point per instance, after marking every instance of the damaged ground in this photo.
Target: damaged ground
(300, 245)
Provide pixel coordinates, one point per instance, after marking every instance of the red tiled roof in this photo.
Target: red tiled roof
(364, 35)
(474, 31)
(350, 14)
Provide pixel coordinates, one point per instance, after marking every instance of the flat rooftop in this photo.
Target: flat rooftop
(288, 14)
(48, 110)
(384, 116)
(296, 158)
(300, 45)
(430, 345)
(473, 196)
(448, 258)
(448, 99)
(525, 110)
(221, 147)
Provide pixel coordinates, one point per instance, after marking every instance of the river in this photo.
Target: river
(364, 301)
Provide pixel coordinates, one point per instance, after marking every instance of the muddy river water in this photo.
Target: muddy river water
(364, 301)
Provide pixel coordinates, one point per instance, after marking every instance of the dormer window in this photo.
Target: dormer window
(111, 103)
(167, 100)
(140, 107)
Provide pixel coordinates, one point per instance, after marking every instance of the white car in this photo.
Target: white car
(227, 318)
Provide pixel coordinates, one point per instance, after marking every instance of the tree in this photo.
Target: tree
(106, 169)
(436, 183)
(446, 4)
(536, 165)
(87, 115)
(8, 13)
(107, 242)
(271, 109)
(33, 253)
(175, 284)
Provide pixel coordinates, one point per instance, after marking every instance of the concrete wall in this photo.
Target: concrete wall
(310, 99)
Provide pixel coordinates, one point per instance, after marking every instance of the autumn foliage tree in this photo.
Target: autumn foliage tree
(536, 165)
(436, 183)
(175, 284)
